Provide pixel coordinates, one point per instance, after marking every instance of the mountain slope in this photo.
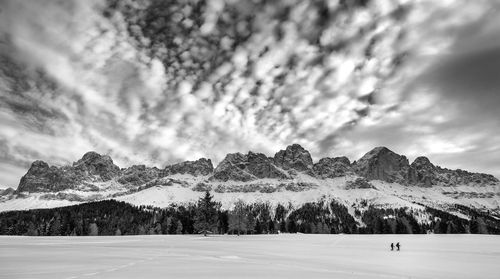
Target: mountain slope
(380, 178)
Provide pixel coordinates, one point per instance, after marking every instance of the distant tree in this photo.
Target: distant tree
(379, 224)
(440, 227)
(238, 218)
(323, 228)
(118, 231)
(283, 227)
(223, 222)
(451, 228)
(55, 227)
(110, 217)
(314, 228)
(206, 214)
(178, 230)
(157, 228)
(251, 222)
(271, 227)
(141, 230)
(280, 213)
(291, 227)
(403, 226)
(168, 225)
(32, 231)
(478, 226)
(93, 229)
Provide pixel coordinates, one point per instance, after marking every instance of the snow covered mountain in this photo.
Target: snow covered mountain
(381, 178)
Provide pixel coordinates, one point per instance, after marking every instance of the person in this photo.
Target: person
(392, 246)
(397, 245)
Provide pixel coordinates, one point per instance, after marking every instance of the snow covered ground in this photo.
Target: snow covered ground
(181, 189)
(32, 202)
(263, 256)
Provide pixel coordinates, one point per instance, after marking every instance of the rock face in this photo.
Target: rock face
(261, 166)
(91, 168)
(42, 178)
(240, 167)
(378, 164)
(6, 192)
(294, 157)
(359, 183)
(333, 167)
(423, 172)
(93, 163)
(138, 175)
(383, 164)
(233, 168)
(457, 177)
(199, 167)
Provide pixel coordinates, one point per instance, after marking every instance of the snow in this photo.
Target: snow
(259, 256)
(384, 195)
(33, 201)
(163, 196)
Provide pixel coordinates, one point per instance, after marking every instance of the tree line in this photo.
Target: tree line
(112, 217)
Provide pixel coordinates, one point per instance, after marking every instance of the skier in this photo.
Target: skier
(397, 245)
(392, 246)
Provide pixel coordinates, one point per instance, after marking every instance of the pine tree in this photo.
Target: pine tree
(93, 230)
(55, 228)
(238, 217)
(478, 226)
(250, 223)
(32, 231)
(206, 214)
(178, 230)
(169, 225)
(141, 230)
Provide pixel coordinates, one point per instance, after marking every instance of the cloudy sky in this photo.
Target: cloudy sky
(158, 82)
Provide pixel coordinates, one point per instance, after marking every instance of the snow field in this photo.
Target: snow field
(257, 256)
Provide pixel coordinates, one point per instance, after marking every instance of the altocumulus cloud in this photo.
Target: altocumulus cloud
(158, 82)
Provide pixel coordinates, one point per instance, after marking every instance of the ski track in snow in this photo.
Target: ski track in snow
(258, 256)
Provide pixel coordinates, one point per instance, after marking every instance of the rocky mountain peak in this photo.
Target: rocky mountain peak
(91, 167)
(383, 164)
(95, 164)
(379, 164)
(138, 175)
(38, 166)
(240, 167)
(294, 157)
(423, 172)
(377, 152)
(42, 178)
(233, 168)
(422, 162)
(333, 167)
(90, 156)
(199, 167)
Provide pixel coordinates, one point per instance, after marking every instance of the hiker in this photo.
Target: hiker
(392, 246)
(397, 245)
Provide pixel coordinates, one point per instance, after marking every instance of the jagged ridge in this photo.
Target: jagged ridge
(379, 164)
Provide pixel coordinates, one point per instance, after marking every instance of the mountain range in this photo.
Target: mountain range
(380, 178)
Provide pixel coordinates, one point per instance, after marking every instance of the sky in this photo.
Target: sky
(159, 82)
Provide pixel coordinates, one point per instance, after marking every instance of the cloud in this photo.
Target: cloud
(156, 82)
